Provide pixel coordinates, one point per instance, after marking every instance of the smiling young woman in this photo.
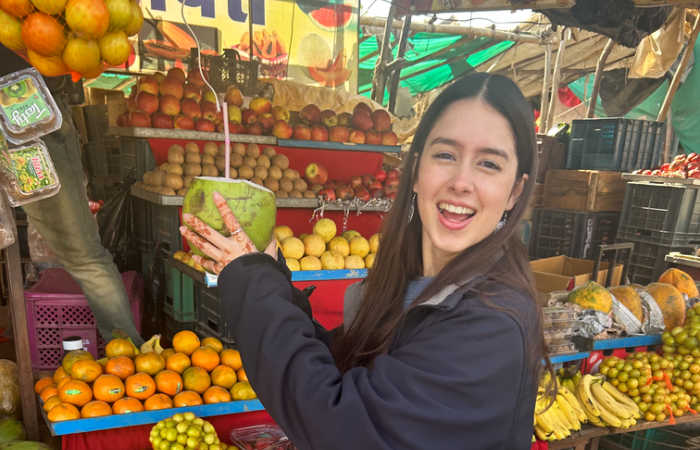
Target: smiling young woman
(442, 344)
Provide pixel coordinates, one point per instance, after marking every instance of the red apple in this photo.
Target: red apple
(356, 181)
(362, 194)
(146, 102)
(374, 185)
(248, 117)
(311, 114)
(377, 193)
(193, 92)
(267, 121)
(191, 108)
(373, 137)
(159, 76)
(184, 122)
(170, 86)
(302, 132)
(160, 120)
(208, 110)
(367, 180)
(316, 173)
(393, 174)
(169, 105)
(339, 134)
(392, 184)
(357, 137)
(139, 119)
(205, 125)
(194, 78)
(237, 128)
(329, 118)
(362, 121)
(260, 105)
(362, 107)
(380, 175)
(255, 128)
(382, 120)
(389, 138)
(149, 84)
(282, 130)
(319, 133)
(280, 113)
(131, 101)
(234, 96)
(344, 193)
(345, 119)
(328, 194)
(176, 74)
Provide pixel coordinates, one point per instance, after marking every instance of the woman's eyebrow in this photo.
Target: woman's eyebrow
(495, 151)
(446, 141)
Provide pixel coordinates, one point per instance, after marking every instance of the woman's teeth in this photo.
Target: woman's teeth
(455, 209)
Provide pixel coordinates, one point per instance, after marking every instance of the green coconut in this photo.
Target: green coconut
(11, 429)
(253, 206)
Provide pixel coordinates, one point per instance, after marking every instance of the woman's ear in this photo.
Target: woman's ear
(517, 191)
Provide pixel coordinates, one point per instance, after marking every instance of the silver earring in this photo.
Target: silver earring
(412, 207)
(504, 220)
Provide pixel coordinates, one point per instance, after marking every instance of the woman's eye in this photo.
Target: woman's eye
(444, 155)
(491, 165)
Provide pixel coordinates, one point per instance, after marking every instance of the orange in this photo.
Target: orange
(140, 386)
(75, 392)
(206, 358)
(157, 401)
(119, 347)
(186, 342)
(63, 381)
(72, 357)
(216, 394)
(196, 379)
(242, 375)
(63, 411)
(149, 362)
(169, 382)
(167, 353)
(86, 370)
(42, 383)
(213, 343)
(243, 391)
(96, 408)
(59, 374)
(127, 405)
(51, 402)
(178, 362)
(108, 388)
(48, 392)
(121, 366)
(223, 376)
(231, 358)
(187, 398)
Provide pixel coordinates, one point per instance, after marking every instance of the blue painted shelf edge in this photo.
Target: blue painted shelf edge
(211, 280)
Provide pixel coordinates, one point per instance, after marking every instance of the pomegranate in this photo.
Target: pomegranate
(17, 8)
(43, 34)
(81, 55)
(87, 18)
(50, 66)
(11, 32)
(51, 7)
(119, 13)
(136, 19)
(115, 48)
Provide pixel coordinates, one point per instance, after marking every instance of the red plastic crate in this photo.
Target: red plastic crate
(56, 308)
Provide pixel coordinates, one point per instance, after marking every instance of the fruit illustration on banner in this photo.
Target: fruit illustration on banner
(331, 16)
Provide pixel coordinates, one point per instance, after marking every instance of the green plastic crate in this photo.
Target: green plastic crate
(179, 298)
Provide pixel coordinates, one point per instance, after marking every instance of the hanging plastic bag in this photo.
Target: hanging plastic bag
(7, 224)
(114, 220)
(625, 318)
(39, 250)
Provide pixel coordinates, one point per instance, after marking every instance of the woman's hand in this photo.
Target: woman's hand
(220, 249)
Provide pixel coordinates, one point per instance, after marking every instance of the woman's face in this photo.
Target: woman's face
(466, 180)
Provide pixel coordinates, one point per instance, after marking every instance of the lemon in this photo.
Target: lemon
(292, 248)
(369, 260)
(282, 232)
(354, 262)
(374, 243)
(326, 229)
(332, 260)
(293, 264)
(348, 235)
(314, 245)
(359, 246)
(310, 263)
(339, 244)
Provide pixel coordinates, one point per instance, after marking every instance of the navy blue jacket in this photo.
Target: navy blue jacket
(457, 376)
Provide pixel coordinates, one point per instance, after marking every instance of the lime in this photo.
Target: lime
(178, 417)
(192, 442)
(193, 431)
(181, 439)
(189, 416)
(171, 434)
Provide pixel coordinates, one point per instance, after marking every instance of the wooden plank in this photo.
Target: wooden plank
(584, 190)
(21, 337)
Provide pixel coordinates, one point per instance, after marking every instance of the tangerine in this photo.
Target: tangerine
(75, 392)
(63, 411)
(42, 383)
(187, 398)
(241, 375)
(158, 401)
(196, 379)
(178, 362)
(167, 353)
(224, 376)
(140, 386)
(59, 374)
(96, 408)
(149, 362)
(186, 342)
(243, 391)
(169, 382)
(205, 357)
(48, 392)
(127, 405)
(86, 370)
(216, 394)
(119, 347)
(108, 388)
(121, 366)
(231, 358)
(73, 357)
(51, 402)
(213, 343)
(63, 381)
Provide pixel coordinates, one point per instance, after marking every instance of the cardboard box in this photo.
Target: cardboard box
(562, 273)
(584, 190)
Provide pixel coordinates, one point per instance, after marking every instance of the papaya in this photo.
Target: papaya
(591, 296)
(671, 303)
(681, 280)
(629, 297)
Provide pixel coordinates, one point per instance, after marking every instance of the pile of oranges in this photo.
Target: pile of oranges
(192, 372)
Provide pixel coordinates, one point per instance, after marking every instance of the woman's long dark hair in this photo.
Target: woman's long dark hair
(399, 258)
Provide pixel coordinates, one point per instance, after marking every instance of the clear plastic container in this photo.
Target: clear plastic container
(27, 174)
(558, 317)
(27, 108)
(262, 437)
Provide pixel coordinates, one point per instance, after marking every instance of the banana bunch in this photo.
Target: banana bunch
(569, 380)
(558, 420)
(604, 405)
(152, 345)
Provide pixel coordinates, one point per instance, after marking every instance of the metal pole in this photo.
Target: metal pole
(596, 79)
(544, 101)
(556, 75)
(394, 77)
(379, 78)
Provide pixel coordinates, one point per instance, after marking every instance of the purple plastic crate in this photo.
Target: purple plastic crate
(56, 308)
